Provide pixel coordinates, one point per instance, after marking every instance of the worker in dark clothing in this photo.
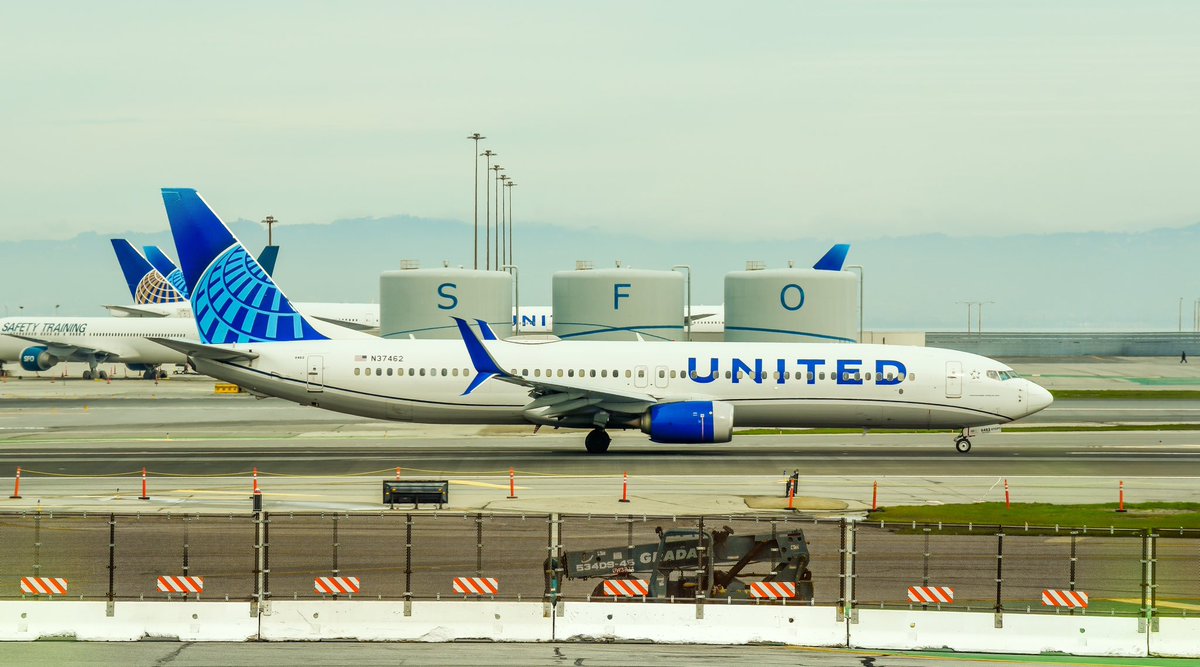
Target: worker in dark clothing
(1183, 357)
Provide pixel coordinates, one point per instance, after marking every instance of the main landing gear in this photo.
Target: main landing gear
(597, 441)
(962, 444)
(89, 374)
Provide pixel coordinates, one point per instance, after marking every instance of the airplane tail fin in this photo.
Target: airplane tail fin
(233, 298)
(834, 259)
(165, 266)
(146, 284)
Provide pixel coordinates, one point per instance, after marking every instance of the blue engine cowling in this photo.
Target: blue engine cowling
(690, 422)
(36, 358)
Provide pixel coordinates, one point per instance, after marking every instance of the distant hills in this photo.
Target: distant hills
(1077, 281)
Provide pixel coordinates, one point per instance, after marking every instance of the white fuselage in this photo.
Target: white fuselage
(120, 338)
(801, 385)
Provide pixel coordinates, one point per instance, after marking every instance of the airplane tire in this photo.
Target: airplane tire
(149, 374)
(962, 445)
(87, 375)
(103, 375)
(597, 441)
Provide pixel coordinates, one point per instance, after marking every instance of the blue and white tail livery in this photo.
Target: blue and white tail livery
(146, 283)
(165, 266)
(233, 298)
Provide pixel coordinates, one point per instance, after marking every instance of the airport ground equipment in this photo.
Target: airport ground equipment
(417, 491)
(685, 563)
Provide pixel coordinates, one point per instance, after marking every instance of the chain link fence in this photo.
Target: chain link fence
(399, 555)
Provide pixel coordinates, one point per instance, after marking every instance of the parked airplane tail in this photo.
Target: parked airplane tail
(834, 259)
(165, 266)
(233, 298)
(146, 284)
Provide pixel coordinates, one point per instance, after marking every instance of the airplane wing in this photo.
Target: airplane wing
(356, 326)
(136, 312)
(552, 399)
(68, 352)
(203, 351)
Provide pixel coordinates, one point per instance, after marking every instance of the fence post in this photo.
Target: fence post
(336, 571)
(479, 545)
(186, 568)
(37, 544)
(1153, 581)
(843, 611)
(266, 559)
(257, 602)
(1074, 560)
(852, 580)
(925, 563)
(701, 569)
(112, 564)
(999, 577)
(408, 525)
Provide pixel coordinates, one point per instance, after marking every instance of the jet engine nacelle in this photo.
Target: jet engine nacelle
(690, 422)
(139, 368)
(36, 358)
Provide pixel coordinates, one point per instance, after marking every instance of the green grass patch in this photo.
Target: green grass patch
(1126, 394)
(1046, 515)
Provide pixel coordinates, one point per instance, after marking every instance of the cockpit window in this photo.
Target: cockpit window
(1006, 374)
(993, 375)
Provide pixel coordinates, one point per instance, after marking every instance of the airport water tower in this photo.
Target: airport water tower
(618, 304)
(817, 305)
(420, 303)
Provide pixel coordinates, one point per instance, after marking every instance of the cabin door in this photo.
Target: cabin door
(954, 379)
(314, 379)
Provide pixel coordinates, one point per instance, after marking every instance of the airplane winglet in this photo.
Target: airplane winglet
(485, 366)
(834, 259)
(486, 330)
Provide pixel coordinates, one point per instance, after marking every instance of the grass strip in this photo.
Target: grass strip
(1095, 517)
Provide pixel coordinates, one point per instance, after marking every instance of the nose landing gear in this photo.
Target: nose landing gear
(962, 444)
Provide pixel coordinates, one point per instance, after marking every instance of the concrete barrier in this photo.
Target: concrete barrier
(368, 620)
(976, 631)
(722, 624)
(1176, 638)
(185, 621)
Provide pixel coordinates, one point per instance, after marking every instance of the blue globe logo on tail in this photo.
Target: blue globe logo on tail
(176, 280)
(235, 301)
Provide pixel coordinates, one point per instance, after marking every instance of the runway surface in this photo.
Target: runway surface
(183, 430)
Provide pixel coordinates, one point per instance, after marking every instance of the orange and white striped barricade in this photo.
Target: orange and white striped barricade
(336, 585)
(626, 588)
(773, 590)
(185, 585)
(1059, 598)
(476, 586)
(43, 586)
(931, 594)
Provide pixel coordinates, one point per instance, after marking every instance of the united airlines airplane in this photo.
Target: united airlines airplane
(689, 393)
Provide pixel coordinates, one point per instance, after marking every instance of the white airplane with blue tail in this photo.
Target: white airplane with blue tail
(677, 392)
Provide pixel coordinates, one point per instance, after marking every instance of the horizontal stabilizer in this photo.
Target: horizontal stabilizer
(204, 351)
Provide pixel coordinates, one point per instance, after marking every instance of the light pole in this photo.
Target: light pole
(861, 285)
(509, 185)
(979, 326)
(56, 307)
(497, 168)
(1180, 314)
(969, 305)
(487, 216)
(502, 234)
(270, 221)
(476, 137)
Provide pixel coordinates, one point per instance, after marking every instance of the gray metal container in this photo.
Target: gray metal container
(618, 304)
(791, 305)
(420, 303)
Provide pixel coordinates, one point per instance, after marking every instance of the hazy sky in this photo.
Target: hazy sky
(733, 120)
